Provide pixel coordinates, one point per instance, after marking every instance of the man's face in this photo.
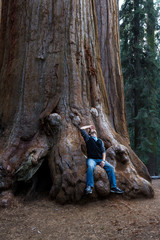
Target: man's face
(92, 132)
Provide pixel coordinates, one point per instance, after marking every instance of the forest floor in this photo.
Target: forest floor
(115, 218)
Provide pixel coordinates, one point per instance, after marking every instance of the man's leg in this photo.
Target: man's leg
(111, 174)
(91, 163)
(112, 178)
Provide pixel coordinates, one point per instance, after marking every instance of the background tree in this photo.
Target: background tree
(60, 68)
(157, 49)
(140, 69)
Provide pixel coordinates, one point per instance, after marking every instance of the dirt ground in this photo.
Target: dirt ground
(115, 218)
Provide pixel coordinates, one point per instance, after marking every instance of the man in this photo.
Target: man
(96, 155)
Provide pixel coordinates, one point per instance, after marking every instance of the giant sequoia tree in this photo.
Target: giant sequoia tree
(60, 69)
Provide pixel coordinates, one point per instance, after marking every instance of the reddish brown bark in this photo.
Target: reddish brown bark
(60, 68)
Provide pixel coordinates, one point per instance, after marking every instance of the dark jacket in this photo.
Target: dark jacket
(94, 148)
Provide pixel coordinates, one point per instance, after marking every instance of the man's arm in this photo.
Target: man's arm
(87, 127)
(103, 160)
(104, 156)
(84, 133)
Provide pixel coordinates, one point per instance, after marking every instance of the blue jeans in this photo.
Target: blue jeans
(91, 163)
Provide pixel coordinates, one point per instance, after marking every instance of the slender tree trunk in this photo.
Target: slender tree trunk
(152, 164)
(54, 78)
(137, 71)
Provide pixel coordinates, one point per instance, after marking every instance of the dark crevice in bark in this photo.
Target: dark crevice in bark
(39, 185)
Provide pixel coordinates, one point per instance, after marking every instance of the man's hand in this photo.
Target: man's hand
(102, 163)
(103, 160)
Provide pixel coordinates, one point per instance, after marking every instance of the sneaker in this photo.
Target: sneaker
(88, 190)
(116, 190)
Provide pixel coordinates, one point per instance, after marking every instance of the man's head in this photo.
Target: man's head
(92, 132)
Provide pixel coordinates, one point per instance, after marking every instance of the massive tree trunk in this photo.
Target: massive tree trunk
(60, 68)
